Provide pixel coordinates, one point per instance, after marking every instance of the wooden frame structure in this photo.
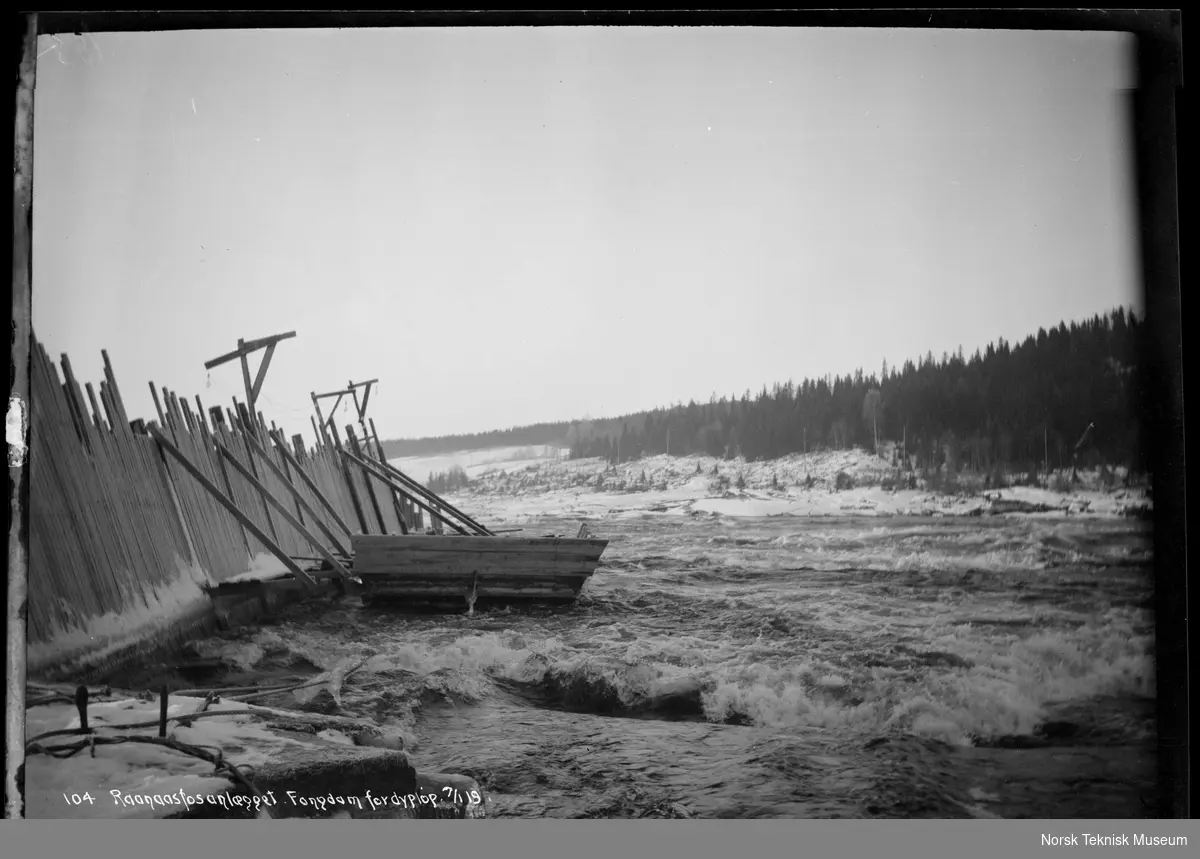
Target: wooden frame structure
(244, 350)
(360, 408)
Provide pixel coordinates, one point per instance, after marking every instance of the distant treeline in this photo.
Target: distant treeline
(555, 433)
(1013, 405)
(447, 481)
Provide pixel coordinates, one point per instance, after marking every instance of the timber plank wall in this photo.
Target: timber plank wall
(115, 526)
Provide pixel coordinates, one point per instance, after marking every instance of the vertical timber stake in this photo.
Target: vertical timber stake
(81, 704)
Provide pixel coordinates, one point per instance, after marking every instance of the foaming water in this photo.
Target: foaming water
(962, 635)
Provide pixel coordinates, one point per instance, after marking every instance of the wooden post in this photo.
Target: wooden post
(97, 415)
(162, 421)
(200, 414)
(113, 390)
(75, 404)
(18, 613)
(164, 474)
(319, 426)
(317, 434)
(360, 409)
(248, 385)
(284, 474)
(221, 426)
(418, 489)
(246, 420)
(401, 513)
(283, 511)
(300, 501)
(228, 504)
(312, 487)
(81, 706)
(382, 475)
(358, 510)
(350, 437)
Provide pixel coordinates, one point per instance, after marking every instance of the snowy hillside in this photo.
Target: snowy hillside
(829, 483)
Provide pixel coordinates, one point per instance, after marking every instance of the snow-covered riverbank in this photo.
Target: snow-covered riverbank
(834, 483)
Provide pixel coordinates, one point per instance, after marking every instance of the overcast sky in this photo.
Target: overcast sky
(511, 225)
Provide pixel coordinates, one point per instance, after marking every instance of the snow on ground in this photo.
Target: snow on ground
(264, 566)
(829, 483)
(136, 771)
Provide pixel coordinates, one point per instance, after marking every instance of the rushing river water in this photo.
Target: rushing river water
(788, 667)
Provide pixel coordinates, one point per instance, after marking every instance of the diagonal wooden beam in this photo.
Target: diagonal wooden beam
(245, 520)
(291, 487)
(416, 487)
(362, 412)
(319, 426)
(312, 486)
(262, 374)
(382, 475)
(281, 508)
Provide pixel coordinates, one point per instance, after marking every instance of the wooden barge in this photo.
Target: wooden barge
(493, 569)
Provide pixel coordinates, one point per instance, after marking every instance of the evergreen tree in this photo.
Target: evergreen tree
(1006, 406)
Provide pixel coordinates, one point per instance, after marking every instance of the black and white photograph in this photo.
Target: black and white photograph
(590, 422)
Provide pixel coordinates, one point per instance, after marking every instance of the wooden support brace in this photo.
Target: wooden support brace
(401, 513)
(319, 426)
(279, 473)
(245, 422)
(288, 517)
(262, 374)
(437, 499)
(386, 478)
(312, 487)
(246, 522)
(354, 500)
(370, 489)
(362, 412)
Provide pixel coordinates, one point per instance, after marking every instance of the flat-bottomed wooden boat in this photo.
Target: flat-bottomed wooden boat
(442, 568)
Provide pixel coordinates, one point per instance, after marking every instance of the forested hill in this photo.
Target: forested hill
(1012, 404)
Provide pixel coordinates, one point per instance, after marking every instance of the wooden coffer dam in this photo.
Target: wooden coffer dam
(143, 533)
